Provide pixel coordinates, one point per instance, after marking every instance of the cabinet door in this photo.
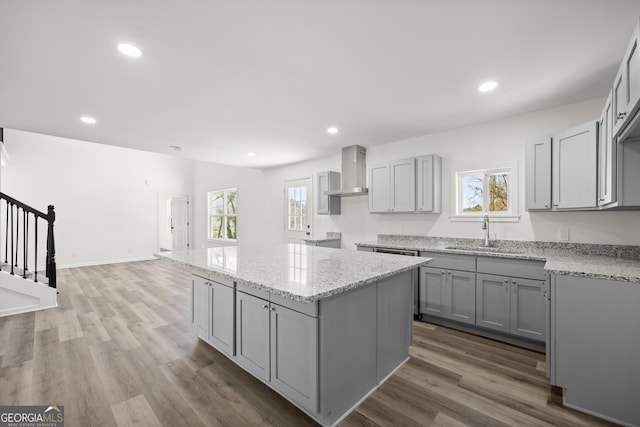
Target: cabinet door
(575, 167)
(252, 334)
(403, 185)
(626, 88)
(528, 309)
(200, 306)
(379, 189)
(323, 200)
(429, 182)
(461, 296)
(433, 284)
(492, 302)
(607, 156)
(538, 174)
(294, 356)
(221, 330)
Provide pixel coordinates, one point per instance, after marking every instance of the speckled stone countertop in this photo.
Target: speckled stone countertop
(611, 262)
(329, 237)
(298, 272)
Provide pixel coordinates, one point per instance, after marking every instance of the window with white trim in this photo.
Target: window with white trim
(491, 191)
(223, 211)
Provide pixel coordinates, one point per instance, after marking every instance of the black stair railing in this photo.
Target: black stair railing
(20, 221)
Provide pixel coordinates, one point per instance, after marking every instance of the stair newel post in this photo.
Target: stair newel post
(6, 237)
(51, 247)
(12, 252)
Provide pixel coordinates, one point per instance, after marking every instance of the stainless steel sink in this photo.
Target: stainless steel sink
(484, 249)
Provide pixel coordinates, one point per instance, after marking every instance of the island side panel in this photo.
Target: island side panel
(395, 307)
(348, 360)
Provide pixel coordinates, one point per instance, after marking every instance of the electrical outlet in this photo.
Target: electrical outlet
(563, 234)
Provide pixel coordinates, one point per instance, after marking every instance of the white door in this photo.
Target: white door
(179, 223)
(297, 200)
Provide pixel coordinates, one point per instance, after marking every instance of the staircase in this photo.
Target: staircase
(24, 284)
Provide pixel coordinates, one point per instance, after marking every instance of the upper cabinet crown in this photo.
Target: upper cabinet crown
(407, 185)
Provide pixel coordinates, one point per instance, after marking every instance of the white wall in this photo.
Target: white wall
(105, 197)
(252, 224)
(480, 146)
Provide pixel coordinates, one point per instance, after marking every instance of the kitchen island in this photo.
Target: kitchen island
(323, 327)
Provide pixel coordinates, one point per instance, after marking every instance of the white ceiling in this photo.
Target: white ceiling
(224, 78)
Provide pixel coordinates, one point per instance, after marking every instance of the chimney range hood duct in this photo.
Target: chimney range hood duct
(354, 172)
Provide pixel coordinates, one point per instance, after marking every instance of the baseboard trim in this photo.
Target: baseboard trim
(105, 262)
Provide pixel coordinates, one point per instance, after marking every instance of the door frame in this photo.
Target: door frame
(162, 216)
(310, 205)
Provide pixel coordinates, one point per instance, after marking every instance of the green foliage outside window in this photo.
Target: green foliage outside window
(223, 214)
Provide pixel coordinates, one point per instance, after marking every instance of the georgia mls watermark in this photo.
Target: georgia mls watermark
(32, 416)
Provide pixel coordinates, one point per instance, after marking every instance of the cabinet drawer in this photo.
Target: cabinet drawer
(451, 261)
(308, 308)
(511, 267)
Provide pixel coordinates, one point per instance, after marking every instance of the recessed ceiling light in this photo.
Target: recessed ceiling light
(129, 50)
(332, 130)
(488, 86)
(175, 147)
(88, 120)
(251, 154)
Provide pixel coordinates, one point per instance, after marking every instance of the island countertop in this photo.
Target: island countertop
(298, 272)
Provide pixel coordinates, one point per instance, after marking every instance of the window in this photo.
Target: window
(488, 190)
(297, 209)
(223, 214)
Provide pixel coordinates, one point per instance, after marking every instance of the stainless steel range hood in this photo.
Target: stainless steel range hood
(354, 172)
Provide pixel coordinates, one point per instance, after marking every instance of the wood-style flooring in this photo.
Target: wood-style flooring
(119, 352)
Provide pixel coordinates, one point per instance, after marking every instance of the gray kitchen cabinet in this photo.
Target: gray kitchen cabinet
(595, 347)
(512, 305)
(429, 183)
(407, 185)
(527, 317)
(607, 157)
(200, 306)
(294, 355)
(449, 294)
(379, 189)
(402, 195)
(492, 302)
(252, 334)
(538, 174)
(575, 168)
(626, 85)
(280, 346)
(328, 205)
(222, 317)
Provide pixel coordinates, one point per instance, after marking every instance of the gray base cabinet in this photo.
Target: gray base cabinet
(595, 345)
(449, 294)
(213, 313)
(512, 305)
(324, 357)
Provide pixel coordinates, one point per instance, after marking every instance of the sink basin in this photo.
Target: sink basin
(484, 249)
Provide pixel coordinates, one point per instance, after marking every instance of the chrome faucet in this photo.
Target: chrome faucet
(485, 227)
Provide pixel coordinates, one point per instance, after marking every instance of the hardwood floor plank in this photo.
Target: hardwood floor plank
(15, 383)
(135, 412)
(19, 341)
(69, 326)
(92, 328)
(114, 371)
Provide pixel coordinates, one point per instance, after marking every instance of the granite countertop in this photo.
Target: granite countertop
(611, 262)
(298, 272)
(330, 236)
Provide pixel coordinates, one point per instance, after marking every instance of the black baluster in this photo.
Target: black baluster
(12, 253)
(51, 248)
(6, 237)
(35, 250)
(17, 235)
(25, 244)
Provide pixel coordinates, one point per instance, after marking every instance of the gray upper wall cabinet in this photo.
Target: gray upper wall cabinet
(562, 172)
(607, 156)
(574, 167)
(538, 174)
(328, 205)
(406, 185)
(626, 86)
